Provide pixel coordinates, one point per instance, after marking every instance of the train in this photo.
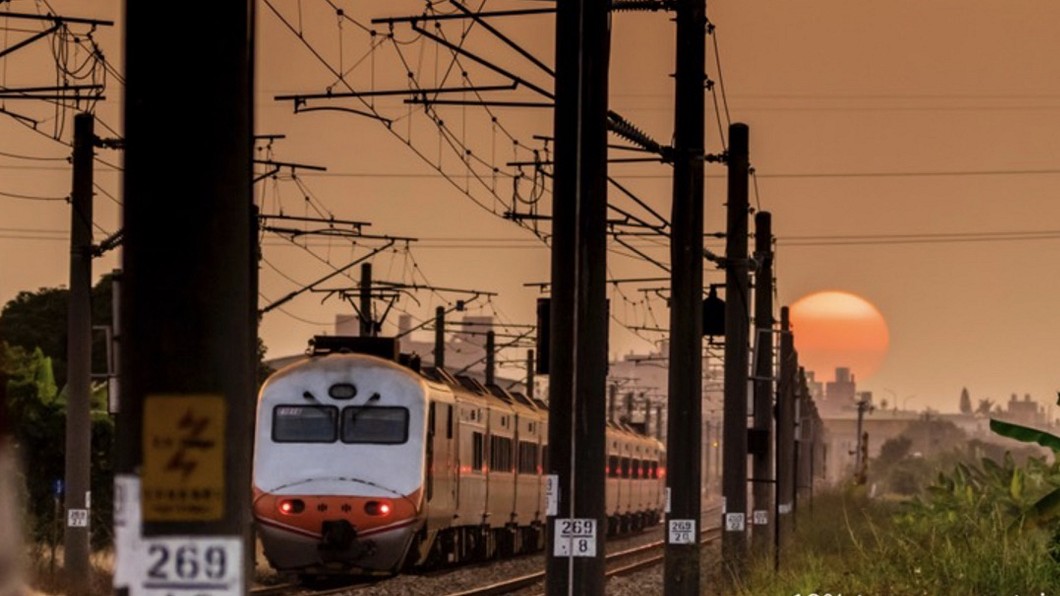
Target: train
(366, 463)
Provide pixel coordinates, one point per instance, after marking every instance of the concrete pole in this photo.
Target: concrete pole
(762, 533)
(734, 476)
(76, 541)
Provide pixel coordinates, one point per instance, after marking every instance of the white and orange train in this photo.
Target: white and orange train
(364, 465)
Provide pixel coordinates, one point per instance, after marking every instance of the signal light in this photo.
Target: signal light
(379, 508)
(291, 506)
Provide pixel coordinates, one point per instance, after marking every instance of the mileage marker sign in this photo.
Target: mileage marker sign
(575, 538)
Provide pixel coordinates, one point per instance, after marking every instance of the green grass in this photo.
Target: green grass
(851, 545)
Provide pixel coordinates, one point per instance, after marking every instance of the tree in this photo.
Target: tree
(37, 412)
(985, 406)
(38, 320)
(966, 401)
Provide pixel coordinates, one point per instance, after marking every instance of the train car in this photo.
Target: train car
(364, 464)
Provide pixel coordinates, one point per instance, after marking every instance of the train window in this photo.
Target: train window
(430, 420)
(654, 469)
(477, 454)
(375, 424)
(612, 467)
(625, 467)
(304, 424)
(527, 457)
(500, 454)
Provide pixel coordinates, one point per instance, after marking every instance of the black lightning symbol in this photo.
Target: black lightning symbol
(191, 428)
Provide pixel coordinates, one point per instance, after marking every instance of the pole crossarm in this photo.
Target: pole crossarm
(276, 166)
(109, 243)
(482, 61)
(304, 97)
(56, 19)
(340, 270)
(426, 18)
(29, 40)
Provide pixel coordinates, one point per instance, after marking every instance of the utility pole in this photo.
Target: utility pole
(78, 498)
(367, 324)
(764, 482)
(439, 337)
(491, 347)
(574, 562)
(185, 428)
(659, 422)
(530, 374)
(734, 475)
(803, 436)
(785, 433)
(860, 452)
(612, 399)
(685, 381)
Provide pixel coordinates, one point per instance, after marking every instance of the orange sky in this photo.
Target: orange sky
(872, 124)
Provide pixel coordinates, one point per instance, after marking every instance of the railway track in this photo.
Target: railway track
(471, 578)
(619, 563)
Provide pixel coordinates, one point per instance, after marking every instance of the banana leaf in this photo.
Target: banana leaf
(1025, 434)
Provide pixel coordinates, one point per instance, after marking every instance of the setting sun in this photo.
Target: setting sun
(839, 329)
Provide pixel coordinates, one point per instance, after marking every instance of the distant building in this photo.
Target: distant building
(840, 393)
(1026, 412)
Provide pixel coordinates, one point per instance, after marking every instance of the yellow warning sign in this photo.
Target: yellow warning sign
(183, 473)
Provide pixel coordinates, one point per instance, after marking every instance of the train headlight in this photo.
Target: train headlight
(291, 506)
(379, 508)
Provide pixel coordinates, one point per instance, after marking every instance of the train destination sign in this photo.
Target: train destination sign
(183, 445)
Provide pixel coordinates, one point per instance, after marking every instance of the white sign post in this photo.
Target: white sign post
(575, 538)
(190, 565)
(77, 518)
(552, 495)
(682, 531)
(734, 522)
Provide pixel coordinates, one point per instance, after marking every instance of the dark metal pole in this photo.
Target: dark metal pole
(629, 407)
(647, 417)
(762, 462)
(79, 364)
(491, 347)
(785, 433)
(685, 384)
(439, 337)
(802, 435)
(578, 358)
(367, 324)
(734, 476)
(659, 422)
(612, 399)
(530, 374)
(186, 422)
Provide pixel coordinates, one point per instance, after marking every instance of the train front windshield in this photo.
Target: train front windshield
(305, 424)
(378, 425)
